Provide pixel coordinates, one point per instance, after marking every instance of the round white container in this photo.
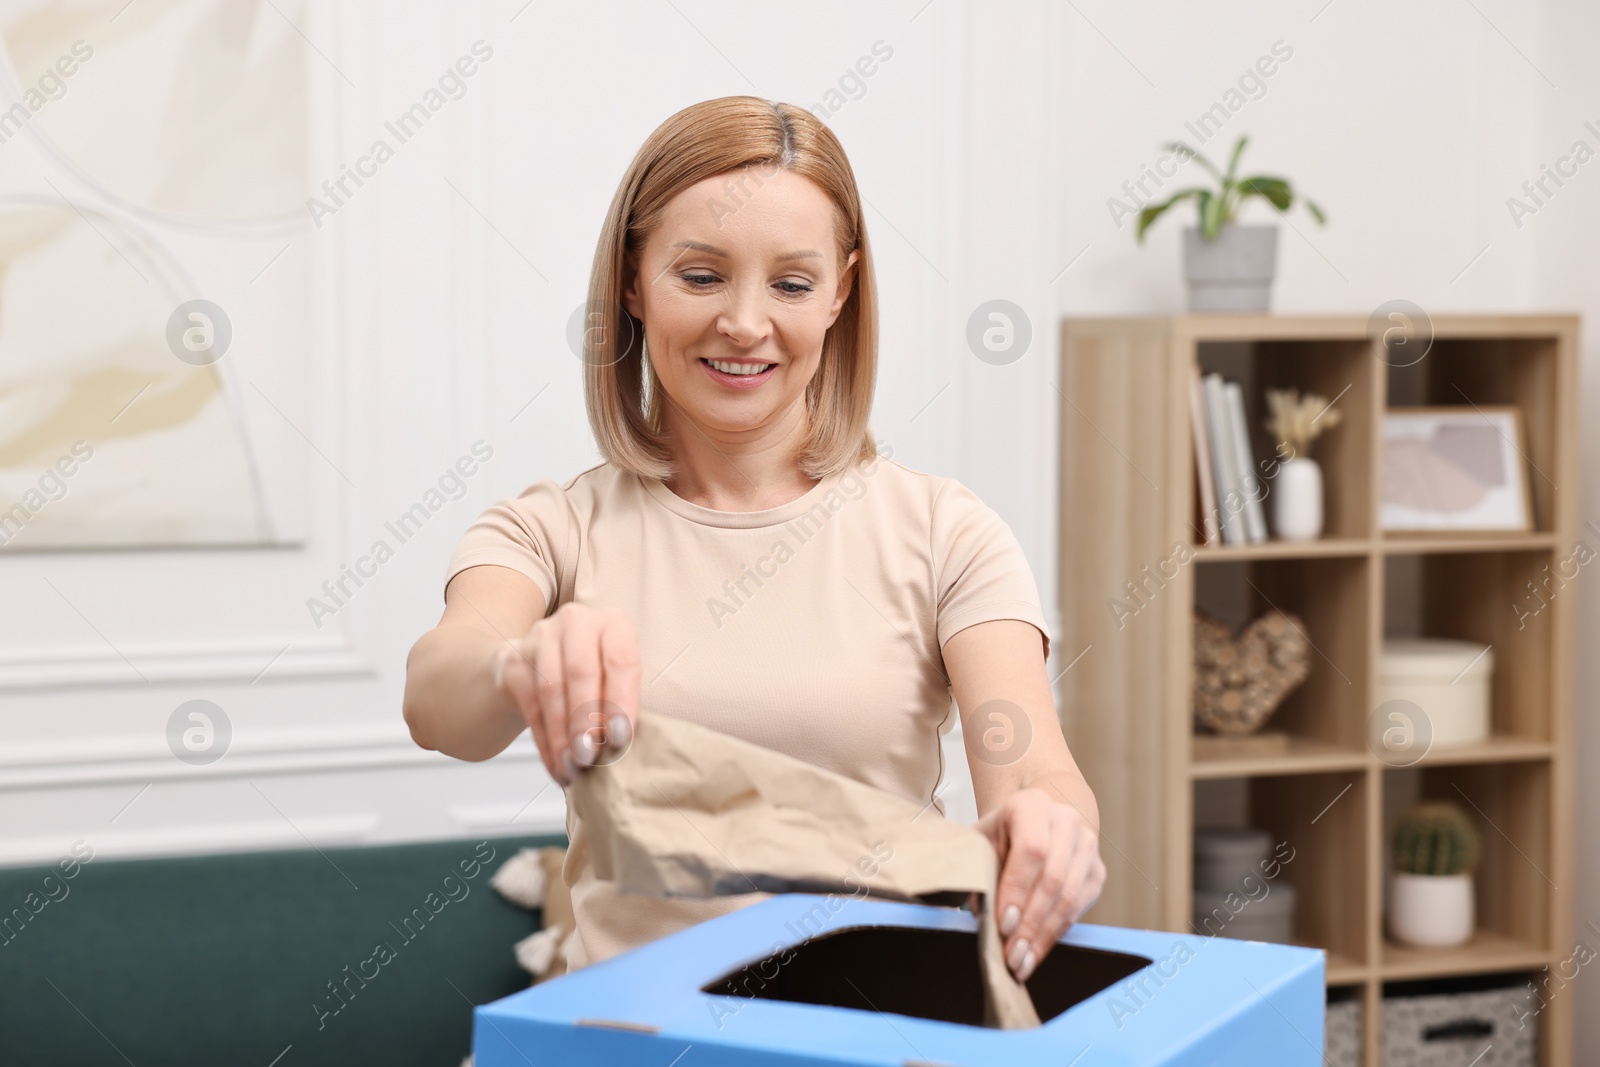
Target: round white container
(1431, 910)
(1265, 914)
(1447, 679)
(1224, 856)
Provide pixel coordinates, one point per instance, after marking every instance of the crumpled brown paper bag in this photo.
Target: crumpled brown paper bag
(685, 810)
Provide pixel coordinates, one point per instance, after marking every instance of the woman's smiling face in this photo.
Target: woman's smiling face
(743, 271)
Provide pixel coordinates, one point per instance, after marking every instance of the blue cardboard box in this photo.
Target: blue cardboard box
(803, 978)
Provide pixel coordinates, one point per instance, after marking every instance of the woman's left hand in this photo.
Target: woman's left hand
(1050, 873)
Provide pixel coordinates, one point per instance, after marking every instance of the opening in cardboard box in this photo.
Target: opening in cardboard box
(929, 974)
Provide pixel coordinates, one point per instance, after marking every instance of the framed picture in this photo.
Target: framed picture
(1454, 469)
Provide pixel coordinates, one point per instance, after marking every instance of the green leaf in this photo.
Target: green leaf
(1152, 212)
(1213, 213)
(1275, 190)
(1176, 146)
(1238, 150)
(1221, 206)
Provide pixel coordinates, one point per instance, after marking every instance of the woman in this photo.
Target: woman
(744, 558)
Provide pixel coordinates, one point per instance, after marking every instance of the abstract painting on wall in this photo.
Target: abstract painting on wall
(154, 294)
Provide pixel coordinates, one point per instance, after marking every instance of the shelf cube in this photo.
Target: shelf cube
(809, 979)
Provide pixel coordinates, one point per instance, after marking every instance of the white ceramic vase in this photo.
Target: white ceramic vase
(1431, 910)
(1297, 500)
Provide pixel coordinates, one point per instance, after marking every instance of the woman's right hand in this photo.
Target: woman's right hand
(575, 679)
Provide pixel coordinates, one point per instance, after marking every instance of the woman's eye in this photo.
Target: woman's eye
(788, 288)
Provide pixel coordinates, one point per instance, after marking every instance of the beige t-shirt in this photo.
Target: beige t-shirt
(814, 628)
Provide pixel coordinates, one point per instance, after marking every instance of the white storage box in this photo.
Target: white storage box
(1449, 680)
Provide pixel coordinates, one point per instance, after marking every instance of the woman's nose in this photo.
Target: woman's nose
(744, 321)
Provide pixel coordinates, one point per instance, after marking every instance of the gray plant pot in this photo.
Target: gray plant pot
(1233, 272)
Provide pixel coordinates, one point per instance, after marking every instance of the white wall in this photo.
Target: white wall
(987, 147)
(440, 305)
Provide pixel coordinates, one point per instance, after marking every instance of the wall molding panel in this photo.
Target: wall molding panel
(195, 839)
(61, 763)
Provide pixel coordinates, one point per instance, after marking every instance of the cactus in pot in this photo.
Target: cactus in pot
(1435, 839)
(1435, 852)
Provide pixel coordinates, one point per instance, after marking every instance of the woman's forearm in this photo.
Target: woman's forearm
(1067, 784)
(451, 703)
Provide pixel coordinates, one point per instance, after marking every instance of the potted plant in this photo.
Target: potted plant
(1295, 422)
(1229, 267)
(1435, 851)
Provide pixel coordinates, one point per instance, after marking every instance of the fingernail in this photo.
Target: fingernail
(571, 767)
(619, 730)
(500, 667)
(1019, 953)
(1028, 963)
(1008, 921)
(583, 749)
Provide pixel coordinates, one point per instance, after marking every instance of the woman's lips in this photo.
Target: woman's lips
(738, 381)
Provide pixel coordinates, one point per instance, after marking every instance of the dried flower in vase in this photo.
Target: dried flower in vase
(1296, 421)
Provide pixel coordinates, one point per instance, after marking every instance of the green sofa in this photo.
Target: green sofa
(290, 958)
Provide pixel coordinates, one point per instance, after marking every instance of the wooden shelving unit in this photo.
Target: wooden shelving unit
(1128, 501)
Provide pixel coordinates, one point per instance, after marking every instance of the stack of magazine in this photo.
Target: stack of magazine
(1231, 487)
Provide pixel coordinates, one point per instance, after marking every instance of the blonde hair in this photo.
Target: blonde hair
(621, 391)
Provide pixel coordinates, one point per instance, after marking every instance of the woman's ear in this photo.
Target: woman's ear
(632, 299)
(847, 278)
